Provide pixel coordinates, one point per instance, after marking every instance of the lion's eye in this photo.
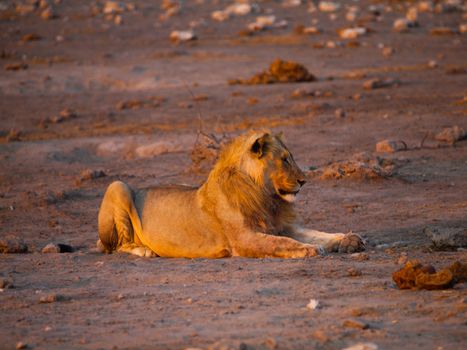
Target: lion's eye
(285, 160)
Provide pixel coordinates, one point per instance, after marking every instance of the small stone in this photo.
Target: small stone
(182, 35)
(432, 64)
(24, 9)
(340, 113)
(50, 298)
(389, 146)
(328, 6)
(121, 296)
(354, 272)
(89, 174)
(57, 248)
(313, 304)
(377, 83)
(356, 324)
(451, 135)
(30, 37)
(6, 283)
(412, 14)
(362, 346)
(48, 14)
(118, 20)
(463, 28)
(111, 7)
(443, 31)
(388, 51)
(21, 345)
(352, 33)
(447, 238)
(402, 25)
(360, 256)
(12, 245)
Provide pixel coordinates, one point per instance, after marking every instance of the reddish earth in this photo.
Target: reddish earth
(134, 118)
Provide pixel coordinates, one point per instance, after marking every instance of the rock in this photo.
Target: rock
(403, 25)
(412, 14)
(355, 324)
(89, 174)
(12, 245)
(313, 304)
(447, 238)
(388, 51)
(443, 31)
(340, 113)
(6, 283)
(451, 135)
(360, 256)
(24, 9)
(377, 83)
(50, 298)
(354, 272)
(389, 146)
(328, 6)
(432, 64)
(362, 346)
(352, 33)
(13, 135)
(21, 345)
(112, 7)
(220, 16)
(425, 6)
(463, 28)
(48, 14)
(279, 71)
(16, 66)
(182, 35)
(30, 37)
(414, 275)
(57, 248)
(262, 22)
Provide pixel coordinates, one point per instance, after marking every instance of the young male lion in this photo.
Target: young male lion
(245, 208)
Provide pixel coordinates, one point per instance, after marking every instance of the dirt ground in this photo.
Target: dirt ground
(88, 91)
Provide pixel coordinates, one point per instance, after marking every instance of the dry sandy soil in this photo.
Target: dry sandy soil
(132, 116)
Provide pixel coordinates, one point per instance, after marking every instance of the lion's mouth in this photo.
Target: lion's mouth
(285, 193)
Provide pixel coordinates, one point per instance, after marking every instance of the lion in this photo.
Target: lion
(245, 208)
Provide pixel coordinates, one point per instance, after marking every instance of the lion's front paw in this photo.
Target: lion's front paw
(351, 243)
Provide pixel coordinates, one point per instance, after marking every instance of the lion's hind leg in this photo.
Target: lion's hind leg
(116, 222)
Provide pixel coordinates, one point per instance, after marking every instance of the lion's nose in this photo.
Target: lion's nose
(301, 182)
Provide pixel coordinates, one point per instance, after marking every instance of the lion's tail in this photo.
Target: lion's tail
(118, 219)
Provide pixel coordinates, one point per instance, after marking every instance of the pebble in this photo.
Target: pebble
(354, 272)
(447, 238)
(49, 298)
(443, 31)
(463, 28)
(340, 113)
(328, 6)
(360, 256)
(21, 345)
(377, 83)
(112, 7)
(356, 324)
(403, 25)
(362, 346)
(48, 14)
(57, 248)
(12, 245)
(6, 283)
(352, 33)
(388, 51)
(313, 304)
(451, 135)
(389, 146)
(182, 35)
(89, 174)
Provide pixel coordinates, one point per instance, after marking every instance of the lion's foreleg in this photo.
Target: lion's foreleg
(331, 242)
(259, 245)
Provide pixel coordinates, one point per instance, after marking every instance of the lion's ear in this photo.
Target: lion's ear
(259, 147)
(280, 136)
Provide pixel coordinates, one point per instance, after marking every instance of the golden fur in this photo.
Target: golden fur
(243, 209)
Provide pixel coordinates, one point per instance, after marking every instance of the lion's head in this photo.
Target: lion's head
(258, 176)
(264, 158)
